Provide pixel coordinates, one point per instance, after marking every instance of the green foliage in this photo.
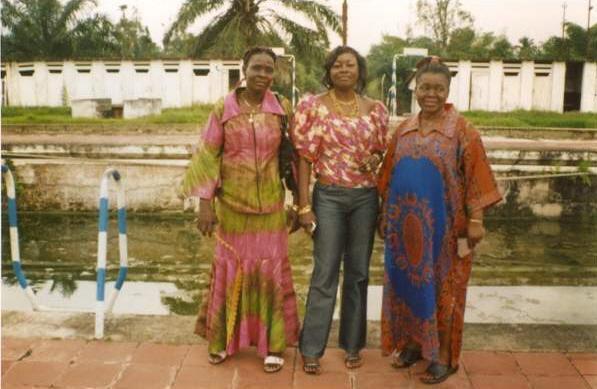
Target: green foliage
(54, 115)
(522, 118)
(440, 18)
(243, 23)
(51, 30)
(527, 49)
(199, 114)
(584, 167)
(240, 24)
(576, 45)
(134, 39)
(379, 61)
(40, 29)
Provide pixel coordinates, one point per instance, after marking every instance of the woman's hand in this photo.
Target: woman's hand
(206, 220)
(370, 164)
(292, 220)
(475, 232)
(308, 222)
(381, 225)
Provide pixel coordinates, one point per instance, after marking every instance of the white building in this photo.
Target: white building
(491, 86)
(177, 83)
(506, 86)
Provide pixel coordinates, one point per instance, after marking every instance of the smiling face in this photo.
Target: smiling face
(432, 92)
(344, 73)
(259, 72)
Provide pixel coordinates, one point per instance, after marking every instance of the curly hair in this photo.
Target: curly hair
(434, 65)
(257, 50)
(331, 59)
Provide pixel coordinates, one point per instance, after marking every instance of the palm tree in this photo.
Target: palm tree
(40, 28)
(243, 23)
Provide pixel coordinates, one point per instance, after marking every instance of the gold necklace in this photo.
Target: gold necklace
(252, 107)
(353, 105)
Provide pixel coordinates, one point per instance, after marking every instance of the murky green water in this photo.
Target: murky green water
(62, 248)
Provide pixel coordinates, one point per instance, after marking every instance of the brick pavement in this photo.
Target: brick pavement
(42, 363)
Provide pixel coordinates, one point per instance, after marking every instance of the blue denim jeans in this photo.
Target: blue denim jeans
(346, 219)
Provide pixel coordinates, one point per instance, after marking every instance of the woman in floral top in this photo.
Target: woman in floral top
(251, 300)
(340, 136)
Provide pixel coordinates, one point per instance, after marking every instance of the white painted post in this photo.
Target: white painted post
(589, 81)
(464, 86)
(496, 81)
(527, 75)
(558, 86)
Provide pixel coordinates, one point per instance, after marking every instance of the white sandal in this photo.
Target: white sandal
(274, 362)
(216, 358)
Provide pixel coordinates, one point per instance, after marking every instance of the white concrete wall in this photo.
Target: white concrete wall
(503, 87)
(173, 81)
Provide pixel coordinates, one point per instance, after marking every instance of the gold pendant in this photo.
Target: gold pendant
(251, 120)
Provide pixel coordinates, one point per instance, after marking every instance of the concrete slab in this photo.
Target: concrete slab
(517, 305)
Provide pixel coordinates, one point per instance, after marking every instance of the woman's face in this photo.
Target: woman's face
(345, 71)
(259, 72)
(432, 92)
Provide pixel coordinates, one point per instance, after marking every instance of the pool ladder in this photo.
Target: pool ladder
(101, 308)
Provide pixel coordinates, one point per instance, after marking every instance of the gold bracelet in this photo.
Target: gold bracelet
(304, 210)
(479, 221)
(294, 207)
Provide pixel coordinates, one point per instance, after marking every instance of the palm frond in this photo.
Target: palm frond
(302, 39)
(188, 13)
(71, 9)
(320, 14)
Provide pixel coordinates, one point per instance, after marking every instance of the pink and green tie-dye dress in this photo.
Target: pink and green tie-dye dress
(251, 300)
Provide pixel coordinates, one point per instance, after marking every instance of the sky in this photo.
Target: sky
(368, 20)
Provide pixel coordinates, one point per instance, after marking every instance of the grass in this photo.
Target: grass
(532, 119)
(199, 113)
(62, 115)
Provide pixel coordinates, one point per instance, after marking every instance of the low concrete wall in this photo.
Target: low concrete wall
(153, 167)
(141, 107)
(91, 108)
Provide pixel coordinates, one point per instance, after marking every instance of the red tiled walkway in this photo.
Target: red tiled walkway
(38, 363)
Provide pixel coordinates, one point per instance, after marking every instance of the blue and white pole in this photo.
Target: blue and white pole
(102, 243)
(14, 236)
(393, 92)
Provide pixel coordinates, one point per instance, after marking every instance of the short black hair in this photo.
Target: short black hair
(433, 65)
(257, 50)
(331, 59)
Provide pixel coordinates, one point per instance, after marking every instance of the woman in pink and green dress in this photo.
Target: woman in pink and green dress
(251, 300)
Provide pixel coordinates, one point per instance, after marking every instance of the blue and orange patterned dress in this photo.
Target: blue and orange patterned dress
(429, 184)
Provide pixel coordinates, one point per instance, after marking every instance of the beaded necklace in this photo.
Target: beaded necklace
(254, 109)
(353, 104)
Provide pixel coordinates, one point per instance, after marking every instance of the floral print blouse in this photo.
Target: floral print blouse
(336, 145)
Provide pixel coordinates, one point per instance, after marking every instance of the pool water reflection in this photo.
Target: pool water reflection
(169, 262)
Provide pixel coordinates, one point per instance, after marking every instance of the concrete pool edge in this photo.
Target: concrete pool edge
(175, 329)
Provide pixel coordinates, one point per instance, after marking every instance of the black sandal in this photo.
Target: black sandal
(438, 373)
(353, 361)
(311, 366)
(406, 358)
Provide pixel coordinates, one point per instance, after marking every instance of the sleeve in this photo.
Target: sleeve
(380, 119)
(385, 172)
(202, 176)
(305, 131)
(481, 189)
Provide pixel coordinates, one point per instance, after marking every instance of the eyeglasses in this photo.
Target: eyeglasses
(438, 89)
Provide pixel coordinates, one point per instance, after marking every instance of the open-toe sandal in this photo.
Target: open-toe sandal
(273, 364)
(406, 358)
(311, 366)
(216, 358)
(436, 373)
(353, 361)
